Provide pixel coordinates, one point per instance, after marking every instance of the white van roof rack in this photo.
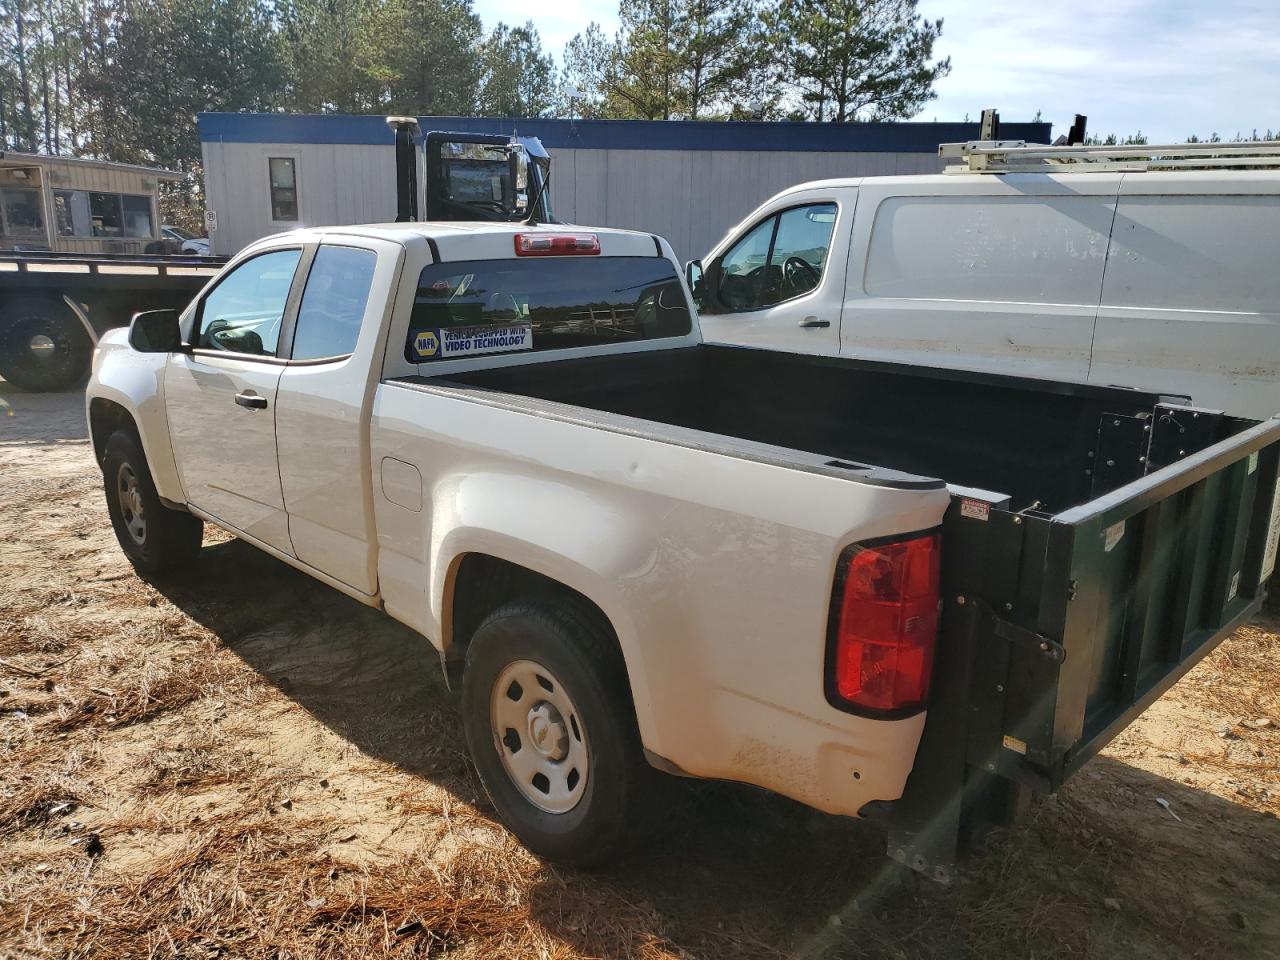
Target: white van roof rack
(1018, 156)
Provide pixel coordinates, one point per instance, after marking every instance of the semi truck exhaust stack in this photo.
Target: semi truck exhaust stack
(406, 130)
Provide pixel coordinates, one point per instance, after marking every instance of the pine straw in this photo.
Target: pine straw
(1239, 678)
(267, 888)
(125, 697)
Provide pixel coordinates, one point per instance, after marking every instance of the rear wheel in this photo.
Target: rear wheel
(43, 347)
(155, 538)
(550, 726)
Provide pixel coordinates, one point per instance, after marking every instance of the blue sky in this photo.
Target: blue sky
(1166, 67)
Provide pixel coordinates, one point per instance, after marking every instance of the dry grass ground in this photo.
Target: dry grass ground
(243, 763)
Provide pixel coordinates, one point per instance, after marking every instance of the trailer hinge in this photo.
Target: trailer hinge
(1015, 634)
(1030, 639)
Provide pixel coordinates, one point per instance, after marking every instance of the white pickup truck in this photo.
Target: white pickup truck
(869, 587)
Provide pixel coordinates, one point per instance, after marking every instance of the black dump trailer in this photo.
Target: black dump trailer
(1059, 628)
(54, 306)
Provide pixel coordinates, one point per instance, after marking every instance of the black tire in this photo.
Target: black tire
(43, 347)
(575, 644)
(169, 538)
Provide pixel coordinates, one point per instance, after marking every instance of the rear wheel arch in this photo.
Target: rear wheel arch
(479, 583)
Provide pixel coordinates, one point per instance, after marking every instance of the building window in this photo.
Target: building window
(284, 188)
(137, 217)
(64, 204)
(105, 210)
(79, 213)
(22, 212)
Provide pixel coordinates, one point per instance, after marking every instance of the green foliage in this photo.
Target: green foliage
(671, 59)
(856, 59)
(124, 79)
(517, 79)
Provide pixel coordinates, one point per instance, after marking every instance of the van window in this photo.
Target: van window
(1011, 249)
(800, 250)
(742, 269)
(1195, 253)
(548, 303)
(778, 259)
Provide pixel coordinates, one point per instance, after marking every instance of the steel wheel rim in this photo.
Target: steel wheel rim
(129, 496)
(540, 736)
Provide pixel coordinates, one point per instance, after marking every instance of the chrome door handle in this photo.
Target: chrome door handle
(810, 322)
(251, 400)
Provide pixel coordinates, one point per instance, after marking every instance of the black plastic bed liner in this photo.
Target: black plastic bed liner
(1036, 441)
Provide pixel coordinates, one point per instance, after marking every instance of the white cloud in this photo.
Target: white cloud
(1166, 67)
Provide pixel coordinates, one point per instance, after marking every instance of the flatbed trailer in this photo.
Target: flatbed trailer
(54, 306)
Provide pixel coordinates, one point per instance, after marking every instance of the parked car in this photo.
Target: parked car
(188, 241)
(1084, 263)
(870, 587)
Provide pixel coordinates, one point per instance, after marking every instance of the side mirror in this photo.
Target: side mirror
(693, 274)
(155, 331)
(519, 172)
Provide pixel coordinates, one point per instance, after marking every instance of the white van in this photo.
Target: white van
(1119, 274)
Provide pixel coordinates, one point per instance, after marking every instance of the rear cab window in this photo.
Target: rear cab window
(470, 308)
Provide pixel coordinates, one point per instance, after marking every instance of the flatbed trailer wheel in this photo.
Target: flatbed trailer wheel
(548, 718)
(43, 347)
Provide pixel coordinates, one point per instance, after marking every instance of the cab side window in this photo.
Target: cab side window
(779, 259)
(242, 314)
(333, 303)
(742, 271)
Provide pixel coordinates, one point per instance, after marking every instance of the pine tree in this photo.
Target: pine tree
(856, 59)
(517, 78)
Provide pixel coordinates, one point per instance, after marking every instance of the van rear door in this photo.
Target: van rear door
(999, 274)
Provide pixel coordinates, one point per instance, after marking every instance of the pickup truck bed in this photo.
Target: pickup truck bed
(1032, 440)
(1100, 541)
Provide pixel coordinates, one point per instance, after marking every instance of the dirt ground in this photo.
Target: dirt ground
(242, 762)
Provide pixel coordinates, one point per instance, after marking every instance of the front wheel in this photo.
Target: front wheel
(155, 538)
(549, 723)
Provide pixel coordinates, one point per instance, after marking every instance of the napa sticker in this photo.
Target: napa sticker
(447, 343)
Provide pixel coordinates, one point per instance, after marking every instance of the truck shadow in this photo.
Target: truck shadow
(1099, 870)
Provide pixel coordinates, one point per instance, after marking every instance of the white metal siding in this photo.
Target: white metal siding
(691, 197)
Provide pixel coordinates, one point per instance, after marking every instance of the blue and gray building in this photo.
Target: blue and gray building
(688, 181)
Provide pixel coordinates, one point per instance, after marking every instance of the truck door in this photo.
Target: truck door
(323, 403)
(780, 282)
(219, 398)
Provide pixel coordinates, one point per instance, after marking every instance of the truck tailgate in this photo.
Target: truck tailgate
(1058, 630)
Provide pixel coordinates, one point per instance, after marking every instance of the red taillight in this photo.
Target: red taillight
(557, 245)
(887, 625)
